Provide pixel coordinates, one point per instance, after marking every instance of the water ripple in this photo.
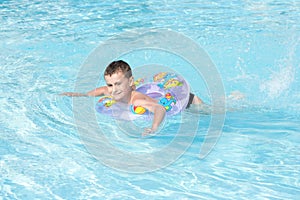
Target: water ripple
(42, 47)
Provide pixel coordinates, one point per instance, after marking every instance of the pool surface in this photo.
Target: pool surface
(255, 48)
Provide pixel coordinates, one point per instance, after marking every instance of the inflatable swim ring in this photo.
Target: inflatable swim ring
(170, 89)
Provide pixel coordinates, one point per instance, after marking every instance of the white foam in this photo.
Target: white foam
(280, 81)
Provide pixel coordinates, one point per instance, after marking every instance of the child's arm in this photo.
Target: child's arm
(151, 104)
(94, 93)
(159, 115)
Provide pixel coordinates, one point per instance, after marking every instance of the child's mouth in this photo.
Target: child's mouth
(117, 93)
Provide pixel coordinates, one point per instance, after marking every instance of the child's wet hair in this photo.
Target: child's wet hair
(118, 66)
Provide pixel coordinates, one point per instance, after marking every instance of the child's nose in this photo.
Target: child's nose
(114, 88)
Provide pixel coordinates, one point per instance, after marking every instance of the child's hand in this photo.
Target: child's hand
(148, 131)
(72, 94)
(69, 94)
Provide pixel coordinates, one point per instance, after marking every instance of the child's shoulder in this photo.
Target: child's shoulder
(137, 96)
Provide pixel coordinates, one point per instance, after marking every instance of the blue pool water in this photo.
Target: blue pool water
(255, 47)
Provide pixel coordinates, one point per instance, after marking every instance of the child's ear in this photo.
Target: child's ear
(131, 81)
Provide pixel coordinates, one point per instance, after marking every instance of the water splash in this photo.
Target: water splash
(281, 80)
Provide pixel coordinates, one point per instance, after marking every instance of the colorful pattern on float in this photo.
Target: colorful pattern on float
(139, 110)
(167, 80)
(168, 101)
(139, 81)
(171, 91)
(106, 101)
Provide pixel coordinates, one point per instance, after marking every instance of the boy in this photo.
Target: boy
(120, 86)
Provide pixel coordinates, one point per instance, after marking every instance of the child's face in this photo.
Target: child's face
(119, 86)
